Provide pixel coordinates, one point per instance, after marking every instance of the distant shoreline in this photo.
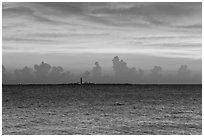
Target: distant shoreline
(50, 84)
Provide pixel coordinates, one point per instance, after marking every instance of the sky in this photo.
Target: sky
(76, 35)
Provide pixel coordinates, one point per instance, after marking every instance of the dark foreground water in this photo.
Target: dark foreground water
(102, 109)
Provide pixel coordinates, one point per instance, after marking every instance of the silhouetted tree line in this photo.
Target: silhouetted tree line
(45, 73)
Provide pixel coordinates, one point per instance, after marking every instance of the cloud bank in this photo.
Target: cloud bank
(45, 73)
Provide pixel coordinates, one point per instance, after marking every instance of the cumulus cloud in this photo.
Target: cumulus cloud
(4, 76)
(155, 76)
(156, 70)
(122, 71)
(140, 76)
(24, 75)
(42, 71)
(56, 74)
(96, 72)
(86, 76)
(183, 74)
(183, 70)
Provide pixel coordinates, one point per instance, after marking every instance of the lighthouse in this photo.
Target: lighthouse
(81, 81)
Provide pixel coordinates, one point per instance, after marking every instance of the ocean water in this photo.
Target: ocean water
(102, 109)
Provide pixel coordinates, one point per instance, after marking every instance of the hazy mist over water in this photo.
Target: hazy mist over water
(121, 73)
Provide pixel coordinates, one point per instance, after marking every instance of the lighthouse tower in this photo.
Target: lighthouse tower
(81, 81)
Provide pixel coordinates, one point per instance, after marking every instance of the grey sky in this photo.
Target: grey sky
(75, 35)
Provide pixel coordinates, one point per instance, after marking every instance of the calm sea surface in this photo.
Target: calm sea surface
(102, 109)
